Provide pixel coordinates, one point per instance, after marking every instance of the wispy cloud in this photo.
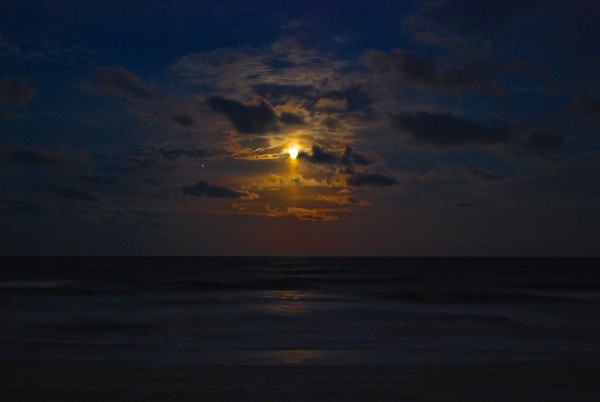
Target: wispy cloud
(305, 214)
(120, 82)
(204, 189)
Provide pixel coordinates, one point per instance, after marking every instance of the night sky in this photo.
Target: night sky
(458, 127)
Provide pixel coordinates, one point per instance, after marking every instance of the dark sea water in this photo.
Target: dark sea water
(299, 311)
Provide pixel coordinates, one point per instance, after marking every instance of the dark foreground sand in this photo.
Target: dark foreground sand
(541, 381)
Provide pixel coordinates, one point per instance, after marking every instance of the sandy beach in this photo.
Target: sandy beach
(70, 381)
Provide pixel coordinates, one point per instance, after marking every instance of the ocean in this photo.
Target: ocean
(288, 311)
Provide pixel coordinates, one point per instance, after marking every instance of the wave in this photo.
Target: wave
(491, 296)
(38, 284)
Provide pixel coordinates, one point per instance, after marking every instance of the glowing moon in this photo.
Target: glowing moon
(293, 151)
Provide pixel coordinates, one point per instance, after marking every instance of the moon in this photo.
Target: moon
(293, 151)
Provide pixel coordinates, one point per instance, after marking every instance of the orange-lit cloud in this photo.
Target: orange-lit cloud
(305, 214)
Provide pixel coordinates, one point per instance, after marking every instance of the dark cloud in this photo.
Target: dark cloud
(485, 175)
(319, 156)
(350, 158)
(183, 120)
(152, 162)
(23, 207)
(542, 143)
(370, 180)
(253, 119)
(331, 124)
(15, 91)
(119, 82)
(355, 97)
(448, 130)
(291, 118)
(563, 181)
(72, 193)
(96, 179)
(255, 142)
(204, 189)
(594, 161)
(588, 106)
(425, 72)
(278, 93)
(22, 156)
(474, 17)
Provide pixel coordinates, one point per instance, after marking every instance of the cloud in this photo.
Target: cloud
(279, 93)
(287, 81)
(277, 182)
(290, 79)
(350, 158)
(319, 156)
(474, 17)
(444, 130)
(332, 103)
(161, 158)
(564, 181)
(291, 118)
(96, 179)
(183, 120)
(254, 143)
(341, 199)
(331, 124)
(15, 91)
(485, 175)
(28, 156)
(594, 160)
(253, 119)
(352, 98)
(172, 154)
(446, 176)
(177, 153)
(8, 48)
(23, 207)
(238, 71)
(541, 143)
(588, 106)
(370, 180)
(425, 72)
(204, 189)
(120, 82)
(305, 214)
(72, 193)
